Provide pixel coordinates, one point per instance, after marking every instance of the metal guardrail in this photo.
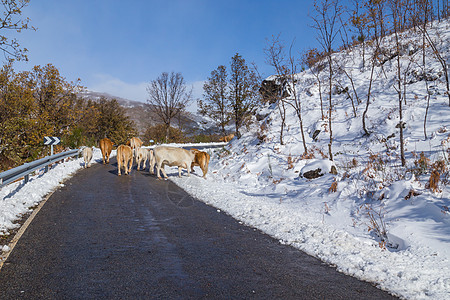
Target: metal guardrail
(27, 168)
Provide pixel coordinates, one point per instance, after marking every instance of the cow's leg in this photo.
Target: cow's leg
(164, 171)
(119, 165)
(179, 171)
(130, 165)
(187, 167)
(158, 169)
(151, 162)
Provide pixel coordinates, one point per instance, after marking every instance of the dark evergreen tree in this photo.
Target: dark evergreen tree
(216, 102)
(113, 123)
(244, 86)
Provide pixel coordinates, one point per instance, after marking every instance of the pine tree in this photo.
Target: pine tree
(216, 102)
(243, 92)
(113, 123)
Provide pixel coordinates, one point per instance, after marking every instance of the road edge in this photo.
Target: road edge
(4, 256)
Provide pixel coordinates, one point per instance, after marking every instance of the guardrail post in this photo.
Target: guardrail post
(46, 169)
(26, 178)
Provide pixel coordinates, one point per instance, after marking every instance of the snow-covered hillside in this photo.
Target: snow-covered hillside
(337, 218)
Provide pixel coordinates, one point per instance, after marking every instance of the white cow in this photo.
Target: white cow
(87, 156)
(173, 157)
(142, 154)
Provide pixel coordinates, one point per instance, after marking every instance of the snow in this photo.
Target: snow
(258, 182)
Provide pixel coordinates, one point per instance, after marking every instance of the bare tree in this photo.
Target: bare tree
(422, 15)
(312, 59)
(297, 104)
(286, 70)
(275, 57)
(373, 12)
(397, 13)
(441, 60)
(342, 69)
(359, 20)
(168, 97)
(327, 13)
(11, 20)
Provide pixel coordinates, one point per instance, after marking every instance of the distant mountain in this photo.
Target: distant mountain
(139, 113)
(122, 101)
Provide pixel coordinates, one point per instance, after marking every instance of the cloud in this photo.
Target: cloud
(116, 87)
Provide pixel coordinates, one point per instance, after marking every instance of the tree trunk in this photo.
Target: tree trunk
(330, 109)
(282, 109)
(366, 132)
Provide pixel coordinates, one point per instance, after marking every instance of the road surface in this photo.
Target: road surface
(102, 236)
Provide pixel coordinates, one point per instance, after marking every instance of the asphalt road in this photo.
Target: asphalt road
(102, 236)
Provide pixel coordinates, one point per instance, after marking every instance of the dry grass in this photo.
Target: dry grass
(433, 182)
(333, 187)
(377, 224)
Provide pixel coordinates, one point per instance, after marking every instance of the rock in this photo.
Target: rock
(315, 134)
(333, 170)
(317, 168)
(312, 174)
(273, 88)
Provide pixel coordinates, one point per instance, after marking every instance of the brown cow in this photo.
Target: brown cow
(124, 158)
(135, 143)
(227, 138)
(106, 146)
(201, 159)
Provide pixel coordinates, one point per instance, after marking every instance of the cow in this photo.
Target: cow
(124, 158)
(135, 143)
(106, 146)
(142, 154)
(201, 159)
(87, 156)
(151, 162)
(227, 138)
(172, 156)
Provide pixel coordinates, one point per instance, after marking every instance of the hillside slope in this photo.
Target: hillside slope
(374, 220)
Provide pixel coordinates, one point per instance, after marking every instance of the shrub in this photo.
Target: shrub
(422, 164)
(290, 162)
(433, 182)
(377, 224)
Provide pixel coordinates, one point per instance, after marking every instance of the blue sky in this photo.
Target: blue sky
(118, 47)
